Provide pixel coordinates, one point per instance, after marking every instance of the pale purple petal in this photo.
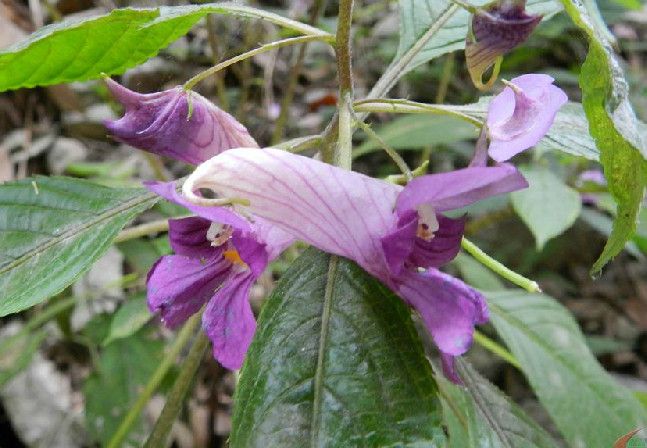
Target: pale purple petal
(338, 211)
(449, 308)
(223, 215)
(161, 123)
(229, 321)
(456, 189)
(188, 236)
(517, 120)
(399, 242)
(178, 285)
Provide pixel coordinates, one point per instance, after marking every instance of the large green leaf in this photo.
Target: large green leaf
(336, 361)
(613, 125)
(51, 231)
(480, 415)
(418, 16)
(548, 207)
(586, 404)
(81, 49)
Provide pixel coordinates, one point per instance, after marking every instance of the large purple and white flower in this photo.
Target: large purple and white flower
(218, 257)
(398, 234)
(522, 114)
(175, 123)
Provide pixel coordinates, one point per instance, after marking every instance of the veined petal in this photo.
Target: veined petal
(456, 189)
(178, 285)
(223, 215)
(175, 123)
(519, 117)
(449, 308)
(229, 321)
(338, 211)
(188, 236)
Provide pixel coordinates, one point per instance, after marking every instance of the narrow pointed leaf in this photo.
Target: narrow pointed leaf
(613, 125)
(51, 231)
(336, 361)
(586, 404)
(480, 415)
(81, 49)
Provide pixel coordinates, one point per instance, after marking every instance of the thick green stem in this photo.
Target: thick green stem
(153, 383)
(495, 266)
(241, 57)
(400, 106)
(175, 398)
(149, 228)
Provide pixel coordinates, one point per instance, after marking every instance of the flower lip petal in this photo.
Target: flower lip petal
(456, 189)
(188, 237)
(222, 215)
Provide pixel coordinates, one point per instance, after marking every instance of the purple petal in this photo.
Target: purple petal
(251, 251)
(496, 29)
(229, 321)
(221, 215)
(402, 249)
(456, 189)
(448, 307)
(338, 211)
(517, 120)
(178, 286)
(449, 368)
(444, 246)
(160, 123)
(188, 236)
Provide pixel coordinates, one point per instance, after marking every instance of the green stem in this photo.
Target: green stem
(399, 106)
(397, 158)
(495, 348)
(495, 266)
(175, 398)
(153, 383)
(241, 57)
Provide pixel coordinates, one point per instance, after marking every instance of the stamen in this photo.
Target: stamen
(218, 234)
(427, 222)
(233, 256)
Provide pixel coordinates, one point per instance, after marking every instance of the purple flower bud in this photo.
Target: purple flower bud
(175, 123)
(496, 30)
(522, 114)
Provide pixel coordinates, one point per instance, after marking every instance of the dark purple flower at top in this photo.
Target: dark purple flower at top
(175, 123)
(218, 257)
(522, 114)
(495, 30)
(399, 235)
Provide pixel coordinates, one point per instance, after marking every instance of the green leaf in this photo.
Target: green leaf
(603, 224)
(129, 318)
(418, 16)
(17, 357)
(586, 404)
(81, 49)
(336, 361)
(613, 125)
(125, 366)
(419, 131)
(480, 415)
(548, 207)
(51, 231)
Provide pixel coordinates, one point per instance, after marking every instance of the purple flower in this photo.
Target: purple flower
(495, 30)
(522, 114)
(176, 123)
(391, 231)
(218, 257)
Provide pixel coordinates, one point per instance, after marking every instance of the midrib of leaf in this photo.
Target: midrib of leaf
(482, 405)
(75, 230)
(546, 347)
(321, 353)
